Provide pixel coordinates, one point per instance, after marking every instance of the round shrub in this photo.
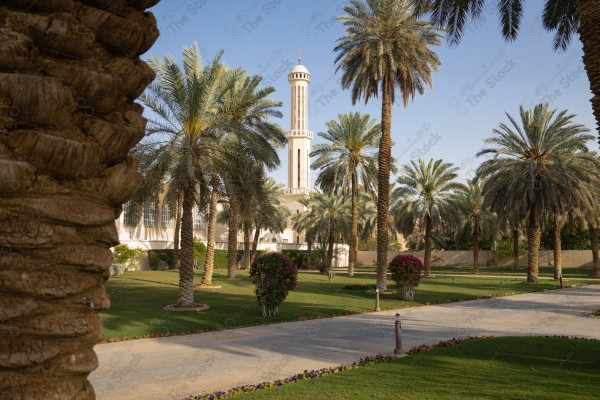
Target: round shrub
(274, 276)
(406, 272)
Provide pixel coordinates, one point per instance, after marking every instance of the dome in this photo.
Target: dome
(299, 68)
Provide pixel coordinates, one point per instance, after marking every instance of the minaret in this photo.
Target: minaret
(299, 136)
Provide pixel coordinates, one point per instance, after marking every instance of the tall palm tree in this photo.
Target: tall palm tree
(386, 48)
(564, 17)
(539, 165)
(216, 190)
(425, 198)
(347, 159)
(65, 175)
(477, 218)
(327, 218)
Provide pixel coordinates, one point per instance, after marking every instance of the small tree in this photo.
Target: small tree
(274, 276)
(406, 272)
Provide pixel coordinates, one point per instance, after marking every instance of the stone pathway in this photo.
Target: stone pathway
(173, 367)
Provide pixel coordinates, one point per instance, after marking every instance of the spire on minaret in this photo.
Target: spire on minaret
(299, 54)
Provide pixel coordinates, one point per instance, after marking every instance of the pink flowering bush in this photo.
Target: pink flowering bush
(406, 272)
(274, 275)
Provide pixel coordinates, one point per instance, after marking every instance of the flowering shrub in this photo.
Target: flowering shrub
(406, 272)
(274, 276)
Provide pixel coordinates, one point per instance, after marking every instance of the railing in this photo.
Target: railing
(299, 133)
(302, 190)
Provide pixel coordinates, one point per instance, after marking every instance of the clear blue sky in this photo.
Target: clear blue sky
(478, 80)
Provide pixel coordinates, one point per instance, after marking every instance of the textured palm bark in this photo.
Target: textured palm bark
(557, 250)
(246, 256)
(354, 229)
(589, 21)
(595, 239)
(69, 74)
(475, 244)
(515, 238)
(428, 244)
(209, 262)
(232, 237)
(533, 239)
(383, 182)
(186, 267)
(176, 248)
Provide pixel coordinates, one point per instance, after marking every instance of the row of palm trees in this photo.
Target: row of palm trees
(540, 173)
(210, 136)
(387, 49)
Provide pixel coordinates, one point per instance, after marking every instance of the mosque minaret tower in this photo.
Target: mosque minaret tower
(299, 136)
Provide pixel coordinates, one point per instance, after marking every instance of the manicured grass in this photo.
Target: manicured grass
(138, 298)
(496, 368)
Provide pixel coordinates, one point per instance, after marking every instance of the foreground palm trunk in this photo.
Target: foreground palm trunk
(232, 237)
(533, 238)
(209, 262)
(557, 250)
(589, 20)
(69, 73)
(428, 244)
(594, 238)
(354, 229)
(383, 183)
(186, 267)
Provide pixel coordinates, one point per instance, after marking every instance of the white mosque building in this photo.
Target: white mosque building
(156, 230)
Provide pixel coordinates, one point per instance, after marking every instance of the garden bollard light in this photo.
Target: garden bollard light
(377, 300)
(560, 278)
(398, 349)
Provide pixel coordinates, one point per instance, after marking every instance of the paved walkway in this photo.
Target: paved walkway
(171, 368)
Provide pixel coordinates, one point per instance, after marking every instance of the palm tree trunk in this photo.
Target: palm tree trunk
(383, 183)
(595, 236)
(589, 20)
(476, 248)
(533, 239)
(428, 244)
(65, 175)
(209, 261)
(232, 237)
(176, 234)
(309, 258)
(515, 238)
(557, 249)
(255, 244)
(329, 250)
(354, 229)
(246, 257)
(186, 269)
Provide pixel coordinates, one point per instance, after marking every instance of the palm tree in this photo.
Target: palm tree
(327, 218)
(541, 165)
(347, 158)
(189, 119)
(386, 47)
(216, 190)
(564, 17)
(65, 176)
(425, 197)
(478, 218)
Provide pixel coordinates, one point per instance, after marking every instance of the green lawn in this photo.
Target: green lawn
(497, 368)
(138, 298)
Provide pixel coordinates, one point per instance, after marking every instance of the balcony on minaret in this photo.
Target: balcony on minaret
(300, 134)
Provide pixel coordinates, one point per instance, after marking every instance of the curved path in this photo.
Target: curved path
(173, 367)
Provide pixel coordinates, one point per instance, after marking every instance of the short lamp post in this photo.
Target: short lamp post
(377, 308)
(398, 349)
